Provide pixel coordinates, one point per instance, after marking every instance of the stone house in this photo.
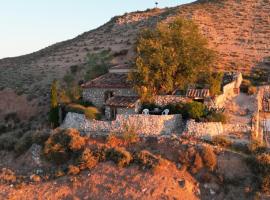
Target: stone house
(113, 92)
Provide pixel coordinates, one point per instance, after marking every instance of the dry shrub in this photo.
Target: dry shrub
(198, 163)
(7, 176)
(62, 144)
(147, 159)
(100, 153)
(265, 185)
(73, 170)
(222, 141)
(8, 141)
(24, 143)
(87, 159)
(256, 146)
(209, 157)
(120, 156)
(260, 165)
(129, 135)
(114, 140)
(252, 90)
(92, 113)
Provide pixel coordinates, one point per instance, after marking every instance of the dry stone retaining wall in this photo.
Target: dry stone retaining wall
(201, 129)
(142, 124)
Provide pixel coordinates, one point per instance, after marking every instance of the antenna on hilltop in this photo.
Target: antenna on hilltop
(156, 4)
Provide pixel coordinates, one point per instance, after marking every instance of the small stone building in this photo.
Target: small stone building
(112, 92)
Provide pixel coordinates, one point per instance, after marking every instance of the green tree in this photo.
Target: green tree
(54, 111)
(97, 64)
(170, 57)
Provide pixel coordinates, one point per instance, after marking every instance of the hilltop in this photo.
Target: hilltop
(238, 29)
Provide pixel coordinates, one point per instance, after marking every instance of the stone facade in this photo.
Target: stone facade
(209, 129)
(142, 124)
(97, 95)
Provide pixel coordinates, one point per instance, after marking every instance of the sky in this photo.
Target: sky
(29, 25)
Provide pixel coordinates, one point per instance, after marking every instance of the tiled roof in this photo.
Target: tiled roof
(122, 101)
(109, 80)
(198, 93)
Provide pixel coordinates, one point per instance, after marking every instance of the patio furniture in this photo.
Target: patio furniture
(165, 112)
(145, 112)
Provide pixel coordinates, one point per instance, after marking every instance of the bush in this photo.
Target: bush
(265, 185)
(73, 170)
(147, 159)
(245, 85)
(129, 135)
(62, 144)
(8, 141)
(255, 146)
(40, 136)
(195, 110)
(221, 140)
(120, 156)
(252, 90)
(24, 143)
(90, 112)
(87, 159)
(198, 163)
(216, 117)
(209, 157)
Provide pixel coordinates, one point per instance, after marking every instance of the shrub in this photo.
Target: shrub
(198, 163)
(252, 90)
(216, 117)
(24, 143)
(73, 170)
(120, 156)
(87, 159)
(8, 141)
(209, 157)
(245, 85)
(92, 113)
(61, 144)
(195, 110)
(40, 136)
(147, 159)
(256, 146)
(265, 185)
(221, 140)
(129, 135)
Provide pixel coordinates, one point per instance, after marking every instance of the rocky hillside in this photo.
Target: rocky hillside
(238, 29)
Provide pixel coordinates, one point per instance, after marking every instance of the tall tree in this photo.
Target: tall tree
(170, 57)
(54, 111)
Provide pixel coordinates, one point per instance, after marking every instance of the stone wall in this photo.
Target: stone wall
(142, 124)
(228, 91)
(96, 95)
(163, 100)
(201, 129)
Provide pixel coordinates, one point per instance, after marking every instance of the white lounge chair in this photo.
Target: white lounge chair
(145, 112)
(165, 112)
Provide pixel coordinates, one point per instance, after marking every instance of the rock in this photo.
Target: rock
(212, 192)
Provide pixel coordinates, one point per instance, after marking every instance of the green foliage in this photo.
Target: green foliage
(210, 80)
(53, 114)
(216, 117)
(90, 111)
(195, 110)
(97, 64)
(170, 57)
